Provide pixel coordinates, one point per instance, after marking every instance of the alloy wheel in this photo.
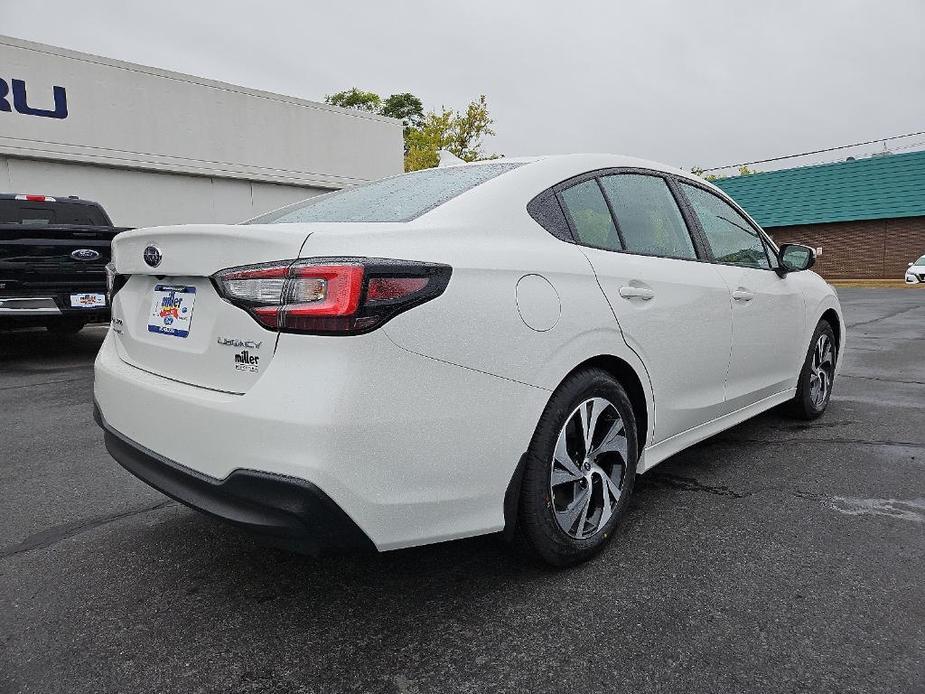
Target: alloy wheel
(588, 469)
(822, 372)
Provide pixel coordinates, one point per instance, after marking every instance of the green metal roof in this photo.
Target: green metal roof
(878, 187)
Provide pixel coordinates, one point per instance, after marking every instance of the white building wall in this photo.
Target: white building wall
(157, 147)
(143, 198)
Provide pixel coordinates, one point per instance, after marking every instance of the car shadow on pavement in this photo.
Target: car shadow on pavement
(205, 556)
(257, 563)
(39, 345)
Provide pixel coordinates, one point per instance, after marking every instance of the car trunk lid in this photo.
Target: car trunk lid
(170, 321)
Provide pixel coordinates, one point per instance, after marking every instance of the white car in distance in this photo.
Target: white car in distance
(915, 273)
(455, 351)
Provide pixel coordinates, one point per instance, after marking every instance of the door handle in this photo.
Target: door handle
(637, 293)
(742, 295)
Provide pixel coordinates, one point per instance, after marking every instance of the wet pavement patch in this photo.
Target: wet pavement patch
(779, 556)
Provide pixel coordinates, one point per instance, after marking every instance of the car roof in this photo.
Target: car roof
(536, 174)
(550, 169)
(574, 164)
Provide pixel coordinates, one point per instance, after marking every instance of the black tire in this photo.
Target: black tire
(538, 504)
(806, 404)
(66, 326)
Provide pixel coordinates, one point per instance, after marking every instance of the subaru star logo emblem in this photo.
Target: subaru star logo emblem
(85, 254)
(152, 256)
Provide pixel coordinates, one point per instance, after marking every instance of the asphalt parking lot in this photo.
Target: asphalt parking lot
(779, 556)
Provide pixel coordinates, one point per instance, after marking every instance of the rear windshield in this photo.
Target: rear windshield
(397, 199)
(29, 213)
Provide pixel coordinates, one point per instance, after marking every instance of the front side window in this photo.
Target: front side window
(585, 205)
(772, 255)
(732, 239)
(649, 219)
(396, 199)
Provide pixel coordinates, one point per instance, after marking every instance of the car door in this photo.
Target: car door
(672, 308)
(768, 310)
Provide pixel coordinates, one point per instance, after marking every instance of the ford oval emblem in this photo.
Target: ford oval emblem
(85, 254)
(152, 256)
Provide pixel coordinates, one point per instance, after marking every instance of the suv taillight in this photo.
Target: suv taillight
(330, 296)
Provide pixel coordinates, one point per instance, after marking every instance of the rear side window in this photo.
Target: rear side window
(590, 216)
(34, 213)
(649, 218)
(732, 239)
(396, 199)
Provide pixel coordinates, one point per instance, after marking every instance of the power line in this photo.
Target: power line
(817, 151)
(892, 150)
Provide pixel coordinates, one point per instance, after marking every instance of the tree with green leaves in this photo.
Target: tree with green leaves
(743, 171)
(697, 171)
(423, 144)
(459, 132)
(405, 107)
(356, 98)
(408, 109)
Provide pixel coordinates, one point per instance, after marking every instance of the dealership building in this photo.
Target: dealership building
(866, 215)
(158, 147)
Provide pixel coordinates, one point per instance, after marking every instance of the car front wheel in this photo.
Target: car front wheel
(580, 469)
(817, 376)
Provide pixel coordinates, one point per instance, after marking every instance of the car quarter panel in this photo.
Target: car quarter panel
(476, 322)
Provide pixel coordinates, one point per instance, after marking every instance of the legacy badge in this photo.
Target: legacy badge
(235, 342)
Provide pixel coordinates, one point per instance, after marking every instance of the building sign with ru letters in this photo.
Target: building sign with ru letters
(13, 96)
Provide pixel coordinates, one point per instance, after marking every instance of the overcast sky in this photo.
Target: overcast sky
(687, 83)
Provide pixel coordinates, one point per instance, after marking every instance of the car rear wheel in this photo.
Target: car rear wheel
(580, 469)
(66, 326)
(817, 376)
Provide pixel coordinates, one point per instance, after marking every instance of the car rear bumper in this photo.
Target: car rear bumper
(411, 449)
(29, 306)
(292, 511)
(43, 306)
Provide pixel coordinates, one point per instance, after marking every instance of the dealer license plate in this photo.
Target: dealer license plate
(88, 300)
(172, 310)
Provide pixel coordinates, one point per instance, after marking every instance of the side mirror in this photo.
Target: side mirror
(795, 257)
(910, 264)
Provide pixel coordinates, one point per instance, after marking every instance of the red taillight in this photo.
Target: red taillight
(382, 288)
(331, 296)
(326, 290)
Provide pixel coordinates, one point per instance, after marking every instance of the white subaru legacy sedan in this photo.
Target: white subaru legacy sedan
(456, 351)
